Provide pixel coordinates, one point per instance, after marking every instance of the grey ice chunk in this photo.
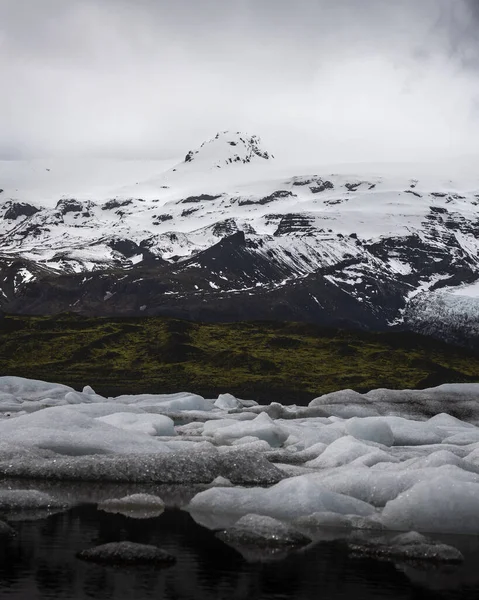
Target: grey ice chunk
(221, 482)
(263, 531)
(227, 402)
(239, 467)
(410, 546)
(458, 400)
(20, 500)
(127, 553)
(137, 506)
(247, 468)
(259, 539)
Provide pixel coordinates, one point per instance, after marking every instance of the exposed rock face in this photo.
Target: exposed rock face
(14, 210)
(227, 148)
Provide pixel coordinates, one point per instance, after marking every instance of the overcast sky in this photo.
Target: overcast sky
(316, 79)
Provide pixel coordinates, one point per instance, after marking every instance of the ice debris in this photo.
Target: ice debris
(386, 460)
(257, 530)
(405, 548)
(127, 553)
(287, 500)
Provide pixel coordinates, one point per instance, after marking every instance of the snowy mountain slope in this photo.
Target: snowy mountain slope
(228, 233)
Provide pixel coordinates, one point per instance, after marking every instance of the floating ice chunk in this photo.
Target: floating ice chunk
(464, 438)
(69, 432)
(262, 539)
(292, 470)
(252, 443)
(374, 458)
(449, 422)
(442, 505)
(309, 432)
(342, 452)
(346, 404)
(221, 482)
(258, 530)
(89, 391)
(473, 456)
(19, 500)
(77, 398)
(287, 500)
(292, 457)
(438, 459)
(139, 506)
(210, 427)
(414, 433)
(373, 429)
(127, 553)
(227, 402)
(181, 466)
(378, 487)
(330, 520)
(167, 402)
(190, 429)
(31, 389)
(410, 546)
(460, 400)
(155, 425)
(319, 520)
(262, 427)
(9, 403)
(134, 501)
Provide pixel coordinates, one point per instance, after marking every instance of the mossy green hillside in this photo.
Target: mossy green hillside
(288, 362)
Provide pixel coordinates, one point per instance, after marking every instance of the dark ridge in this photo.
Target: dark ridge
(262, 360)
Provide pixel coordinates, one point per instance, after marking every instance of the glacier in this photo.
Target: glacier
(231, 232)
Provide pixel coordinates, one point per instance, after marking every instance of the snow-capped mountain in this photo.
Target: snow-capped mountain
(228, 233)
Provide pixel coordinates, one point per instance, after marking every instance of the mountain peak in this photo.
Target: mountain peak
(228, 148)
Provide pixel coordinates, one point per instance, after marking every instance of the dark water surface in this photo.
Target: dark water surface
(40, 563)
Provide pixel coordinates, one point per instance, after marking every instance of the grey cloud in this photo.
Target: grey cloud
(318, 79)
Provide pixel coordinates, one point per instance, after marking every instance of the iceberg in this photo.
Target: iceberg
(387, 460)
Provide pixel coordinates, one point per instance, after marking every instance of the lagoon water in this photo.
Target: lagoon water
(40, 563)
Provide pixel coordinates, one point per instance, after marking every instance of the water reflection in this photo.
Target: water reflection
(40, 563)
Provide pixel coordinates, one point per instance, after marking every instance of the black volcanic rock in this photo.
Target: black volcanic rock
(19, 209)
(70, 205)
(267, 199)
(200, 198)
(125, 247)
(321, 186)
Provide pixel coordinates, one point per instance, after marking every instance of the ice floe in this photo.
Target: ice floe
(382, 461)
